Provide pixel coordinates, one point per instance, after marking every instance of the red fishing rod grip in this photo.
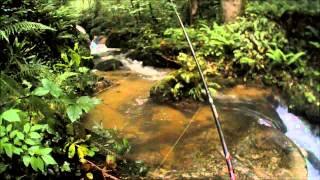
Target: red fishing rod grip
(230, 167)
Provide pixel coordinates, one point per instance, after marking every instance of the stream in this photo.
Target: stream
(266, 141)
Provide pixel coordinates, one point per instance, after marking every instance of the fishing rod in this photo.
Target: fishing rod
(210, 99)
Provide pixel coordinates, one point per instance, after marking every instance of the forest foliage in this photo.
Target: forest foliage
(46, 89)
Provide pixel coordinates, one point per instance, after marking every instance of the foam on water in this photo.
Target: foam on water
(146, 72)
(299, 132)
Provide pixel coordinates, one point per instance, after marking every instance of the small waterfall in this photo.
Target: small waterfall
(300, 133)
(147, 72)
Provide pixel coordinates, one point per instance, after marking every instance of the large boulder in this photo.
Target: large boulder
(109, 65)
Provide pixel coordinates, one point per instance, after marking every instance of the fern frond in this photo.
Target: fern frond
(9, 89)
(25, 26)
(3, 35)
(31, 70)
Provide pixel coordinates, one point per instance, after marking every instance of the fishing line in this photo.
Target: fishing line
(179, 138)
(212, 106)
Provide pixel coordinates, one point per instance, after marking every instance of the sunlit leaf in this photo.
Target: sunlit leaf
(65, 167)
(40, 164)
(48, 160)
(30, 142)
(33, 162)
(34, 135)
(45, 151)
(53, 88)
(71, 151)
(8, 148)
(11, 115)
(86, 103)
(74, 112)
(26, 127)
(89, 175)
(26, 160)
(40, 91)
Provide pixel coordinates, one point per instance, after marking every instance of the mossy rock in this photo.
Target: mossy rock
(109, 65)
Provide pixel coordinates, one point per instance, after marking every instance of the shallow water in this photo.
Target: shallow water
(251, 124)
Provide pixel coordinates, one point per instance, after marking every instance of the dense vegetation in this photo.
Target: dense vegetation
(264, 45)
(46, 84)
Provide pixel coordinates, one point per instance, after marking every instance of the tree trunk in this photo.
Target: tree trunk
(232, 9)
(192, 11)
(194, 4)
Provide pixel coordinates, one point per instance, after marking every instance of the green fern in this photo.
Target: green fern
(24, 26)
(33, 70)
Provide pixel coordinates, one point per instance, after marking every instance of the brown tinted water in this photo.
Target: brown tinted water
(249, 121)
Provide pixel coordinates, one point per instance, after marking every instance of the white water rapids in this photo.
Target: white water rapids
(299, 132)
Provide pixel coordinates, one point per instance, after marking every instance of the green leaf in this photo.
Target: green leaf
(9, 128)
(4, 140)
(248, 61)
(48, 160)
(53, 88)
(34, 135)
(3, 167)
(20, 135)
(30, 142)
(13, 134)
(37, 127)
(66, 167)
(89, 175)
(83, 69)
(11, 115)
(82, 151)
(26, 160)
(33, 162)
(40, 164)
(17, 150)
(2, 131)
(213, 91)
(34, 150)
(86, 103)
(295, 57)
(26, 128)
(17, 141)
(40, 91)
(75, 57)
(64, 57)
(315, 44)
(65, 76)
(45, 151)
(8, 148)
(74, 112)
(24, 147)
(71, 151)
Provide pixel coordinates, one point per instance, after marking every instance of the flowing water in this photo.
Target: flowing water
(299, 131)
(251, 122)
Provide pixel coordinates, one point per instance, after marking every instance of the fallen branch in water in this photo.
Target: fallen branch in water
(103, 171)
(168, 59)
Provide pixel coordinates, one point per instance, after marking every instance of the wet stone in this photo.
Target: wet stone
(109, 65)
